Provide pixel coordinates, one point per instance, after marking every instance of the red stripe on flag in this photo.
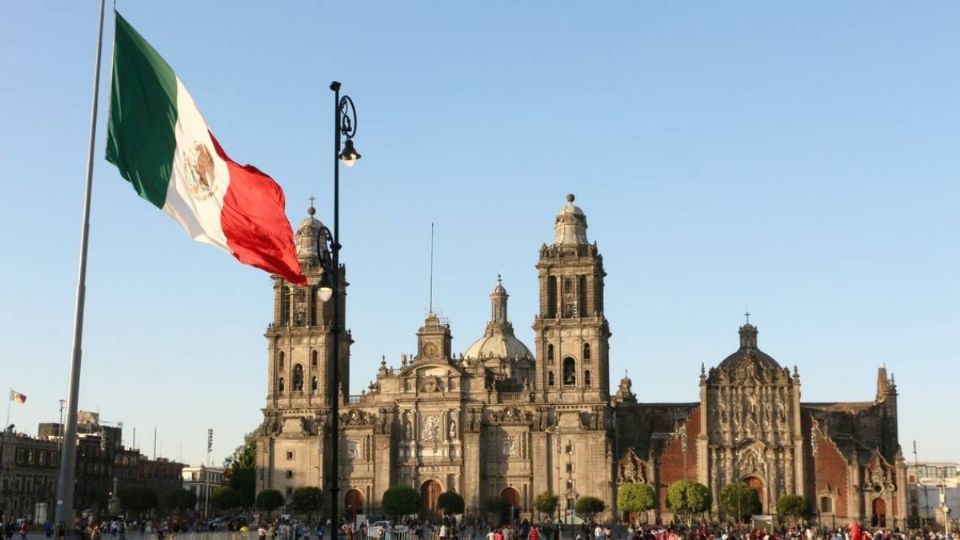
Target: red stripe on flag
(254, 220)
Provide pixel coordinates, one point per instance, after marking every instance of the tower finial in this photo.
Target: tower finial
(310, 209)
(747, 315)
(571, 197)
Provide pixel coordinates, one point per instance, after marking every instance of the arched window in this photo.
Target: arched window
(550, 354)
(586, 352)
(586, 378)
(569, 371)
(298, 378)
(826, 505)
(313, 385)
(550, 381)
(280, 361)
(280, 386)
(284, 304)
(313, 360)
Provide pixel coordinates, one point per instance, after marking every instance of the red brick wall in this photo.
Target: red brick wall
(671, 461)
(831, 469)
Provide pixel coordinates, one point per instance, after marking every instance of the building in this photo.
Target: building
(105, 465)
(202, 480)
(28, 474)
(506, 420)
(933, 486)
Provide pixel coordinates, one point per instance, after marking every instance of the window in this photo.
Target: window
(586, 352)
(280, 386)
(313, 360)
(569, 371)
(550, 381)
(289, 474)
(298, 378)
(550, 353)
(826, 505)
(284, 304)
(582, 294)
(280, 361)
(569, 467)
(586, 378)
(313, 385)
(289, 456)
(551, 297)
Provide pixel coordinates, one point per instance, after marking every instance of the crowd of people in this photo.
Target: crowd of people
(451, 529)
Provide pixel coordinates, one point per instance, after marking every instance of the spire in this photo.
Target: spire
(498, 303)
(571, 225)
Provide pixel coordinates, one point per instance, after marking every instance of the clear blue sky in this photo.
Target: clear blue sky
(800, 161)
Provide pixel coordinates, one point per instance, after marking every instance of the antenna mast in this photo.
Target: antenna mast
(431, 268)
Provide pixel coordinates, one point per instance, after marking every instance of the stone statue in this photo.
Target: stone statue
(453, 429)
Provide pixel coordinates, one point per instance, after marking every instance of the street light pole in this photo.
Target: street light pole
(345, 124)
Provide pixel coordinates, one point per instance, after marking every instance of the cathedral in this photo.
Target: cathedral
(503, 420)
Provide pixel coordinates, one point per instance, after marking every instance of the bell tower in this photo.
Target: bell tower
(571, 331)
(300, 338)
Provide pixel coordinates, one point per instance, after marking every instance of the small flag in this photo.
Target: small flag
(17, 396)
(161, 144)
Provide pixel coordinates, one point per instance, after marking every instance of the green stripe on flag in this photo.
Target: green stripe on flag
(143, 114)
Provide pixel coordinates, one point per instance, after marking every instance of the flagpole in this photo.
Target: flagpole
(64, 508)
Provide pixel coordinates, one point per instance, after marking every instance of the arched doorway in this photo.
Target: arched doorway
(512, 497)
(879, 518)
(429, 493)
(756, 484)
(353, 503)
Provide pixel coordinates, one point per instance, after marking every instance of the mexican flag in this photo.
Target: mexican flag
(17, 396)
(161, 144)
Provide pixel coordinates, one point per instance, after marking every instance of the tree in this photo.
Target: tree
(498, 505)
(635, 498)
(269, 500)
(546, 503)
(793, 507)
(226, 498)
(181, 499)
(740, 500)
(137, 499)
(242, 470)
(306, 501)
(400, 501)
(450, 502)
(686, 497)
(588, 507)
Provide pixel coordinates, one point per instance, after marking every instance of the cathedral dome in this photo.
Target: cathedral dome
(571, 224)
(498, 346)
(749, 353)
(498, 340)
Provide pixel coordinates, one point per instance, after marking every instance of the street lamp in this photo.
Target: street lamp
(344, 125)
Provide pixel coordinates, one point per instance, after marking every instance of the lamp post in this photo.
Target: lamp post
(344, 125)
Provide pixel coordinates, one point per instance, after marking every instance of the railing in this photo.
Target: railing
(514, 396)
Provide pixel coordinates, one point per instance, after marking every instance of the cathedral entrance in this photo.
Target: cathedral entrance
(353, 503)
(429, 493)
(879, 517)
(756, 484)
(512, 497)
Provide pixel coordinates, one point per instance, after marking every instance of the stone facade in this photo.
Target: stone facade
(500, 420)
